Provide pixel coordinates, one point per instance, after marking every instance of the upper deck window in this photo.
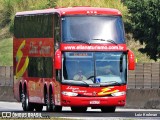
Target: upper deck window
(33, 26)
(93, 29)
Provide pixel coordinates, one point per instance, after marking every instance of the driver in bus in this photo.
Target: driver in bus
(79, 76)
(108, 71)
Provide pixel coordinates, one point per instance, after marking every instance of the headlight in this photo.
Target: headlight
(69, 93)
(118, 93)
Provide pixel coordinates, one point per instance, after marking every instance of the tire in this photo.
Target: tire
(48, 109)
(26, 105)
(54, 107)
(108, 109)
(38, 107)
(79, 109)
(20, 96)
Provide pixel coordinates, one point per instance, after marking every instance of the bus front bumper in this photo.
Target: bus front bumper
(93, 101)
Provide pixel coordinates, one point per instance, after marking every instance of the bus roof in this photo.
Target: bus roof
(73, 11)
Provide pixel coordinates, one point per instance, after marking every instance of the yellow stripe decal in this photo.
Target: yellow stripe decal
(19, 56)
(106, 91)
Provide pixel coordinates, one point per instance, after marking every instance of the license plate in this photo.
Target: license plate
(95, 102)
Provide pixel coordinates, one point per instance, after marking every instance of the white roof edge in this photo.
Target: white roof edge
(36, 12)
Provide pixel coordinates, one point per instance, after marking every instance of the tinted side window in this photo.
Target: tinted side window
(40, 67)
(34, 26)
(57, 34)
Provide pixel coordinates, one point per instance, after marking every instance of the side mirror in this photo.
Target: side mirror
(58, 60)
(131, 60)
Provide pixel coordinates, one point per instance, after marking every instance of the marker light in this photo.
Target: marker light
(118, 93)
(69, 93)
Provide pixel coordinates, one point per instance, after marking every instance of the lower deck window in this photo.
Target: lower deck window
(40, 67)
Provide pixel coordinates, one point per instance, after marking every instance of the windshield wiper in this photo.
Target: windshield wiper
(112, 83)
(109, 40)
(75, 82)
(80, 41)
(81, 81)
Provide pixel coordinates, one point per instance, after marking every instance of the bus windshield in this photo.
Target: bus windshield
(93, 29)
(89, 68)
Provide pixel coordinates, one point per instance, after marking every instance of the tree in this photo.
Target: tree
(8, 9)
(145, 24)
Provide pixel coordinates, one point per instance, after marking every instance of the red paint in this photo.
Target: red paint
(87, 94)
(58, 59)
(35, 46)
(131, 60)
(76, 10)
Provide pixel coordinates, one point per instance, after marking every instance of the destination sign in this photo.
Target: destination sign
(80, 54)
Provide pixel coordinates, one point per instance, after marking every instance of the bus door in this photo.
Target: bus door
(57, 89)
(57, 37)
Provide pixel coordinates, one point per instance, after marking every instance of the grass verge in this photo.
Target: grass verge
(6, 52)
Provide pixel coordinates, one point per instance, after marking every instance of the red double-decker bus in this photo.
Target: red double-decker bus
(73, 57)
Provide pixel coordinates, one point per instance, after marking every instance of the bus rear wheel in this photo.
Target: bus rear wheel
(54, 107)
(48, 109)
(79, 109)
(26, 105)
(108, 109)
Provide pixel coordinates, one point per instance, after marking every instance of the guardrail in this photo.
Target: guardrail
(146, 75)
(6, 75)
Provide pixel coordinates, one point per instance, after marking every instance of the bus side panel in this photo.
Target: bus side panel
(23, 49)
(57, 93)
(19, 76)
(20, 63)
(36, 89)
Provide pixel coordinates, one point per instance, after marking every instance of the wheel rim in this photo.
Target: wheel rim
(23, 100)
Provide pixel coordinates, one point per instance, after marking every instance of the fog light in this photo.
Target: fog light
(118, 93)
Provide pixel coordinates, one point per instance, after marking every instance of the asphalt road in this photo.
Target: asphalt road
(96, 114)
